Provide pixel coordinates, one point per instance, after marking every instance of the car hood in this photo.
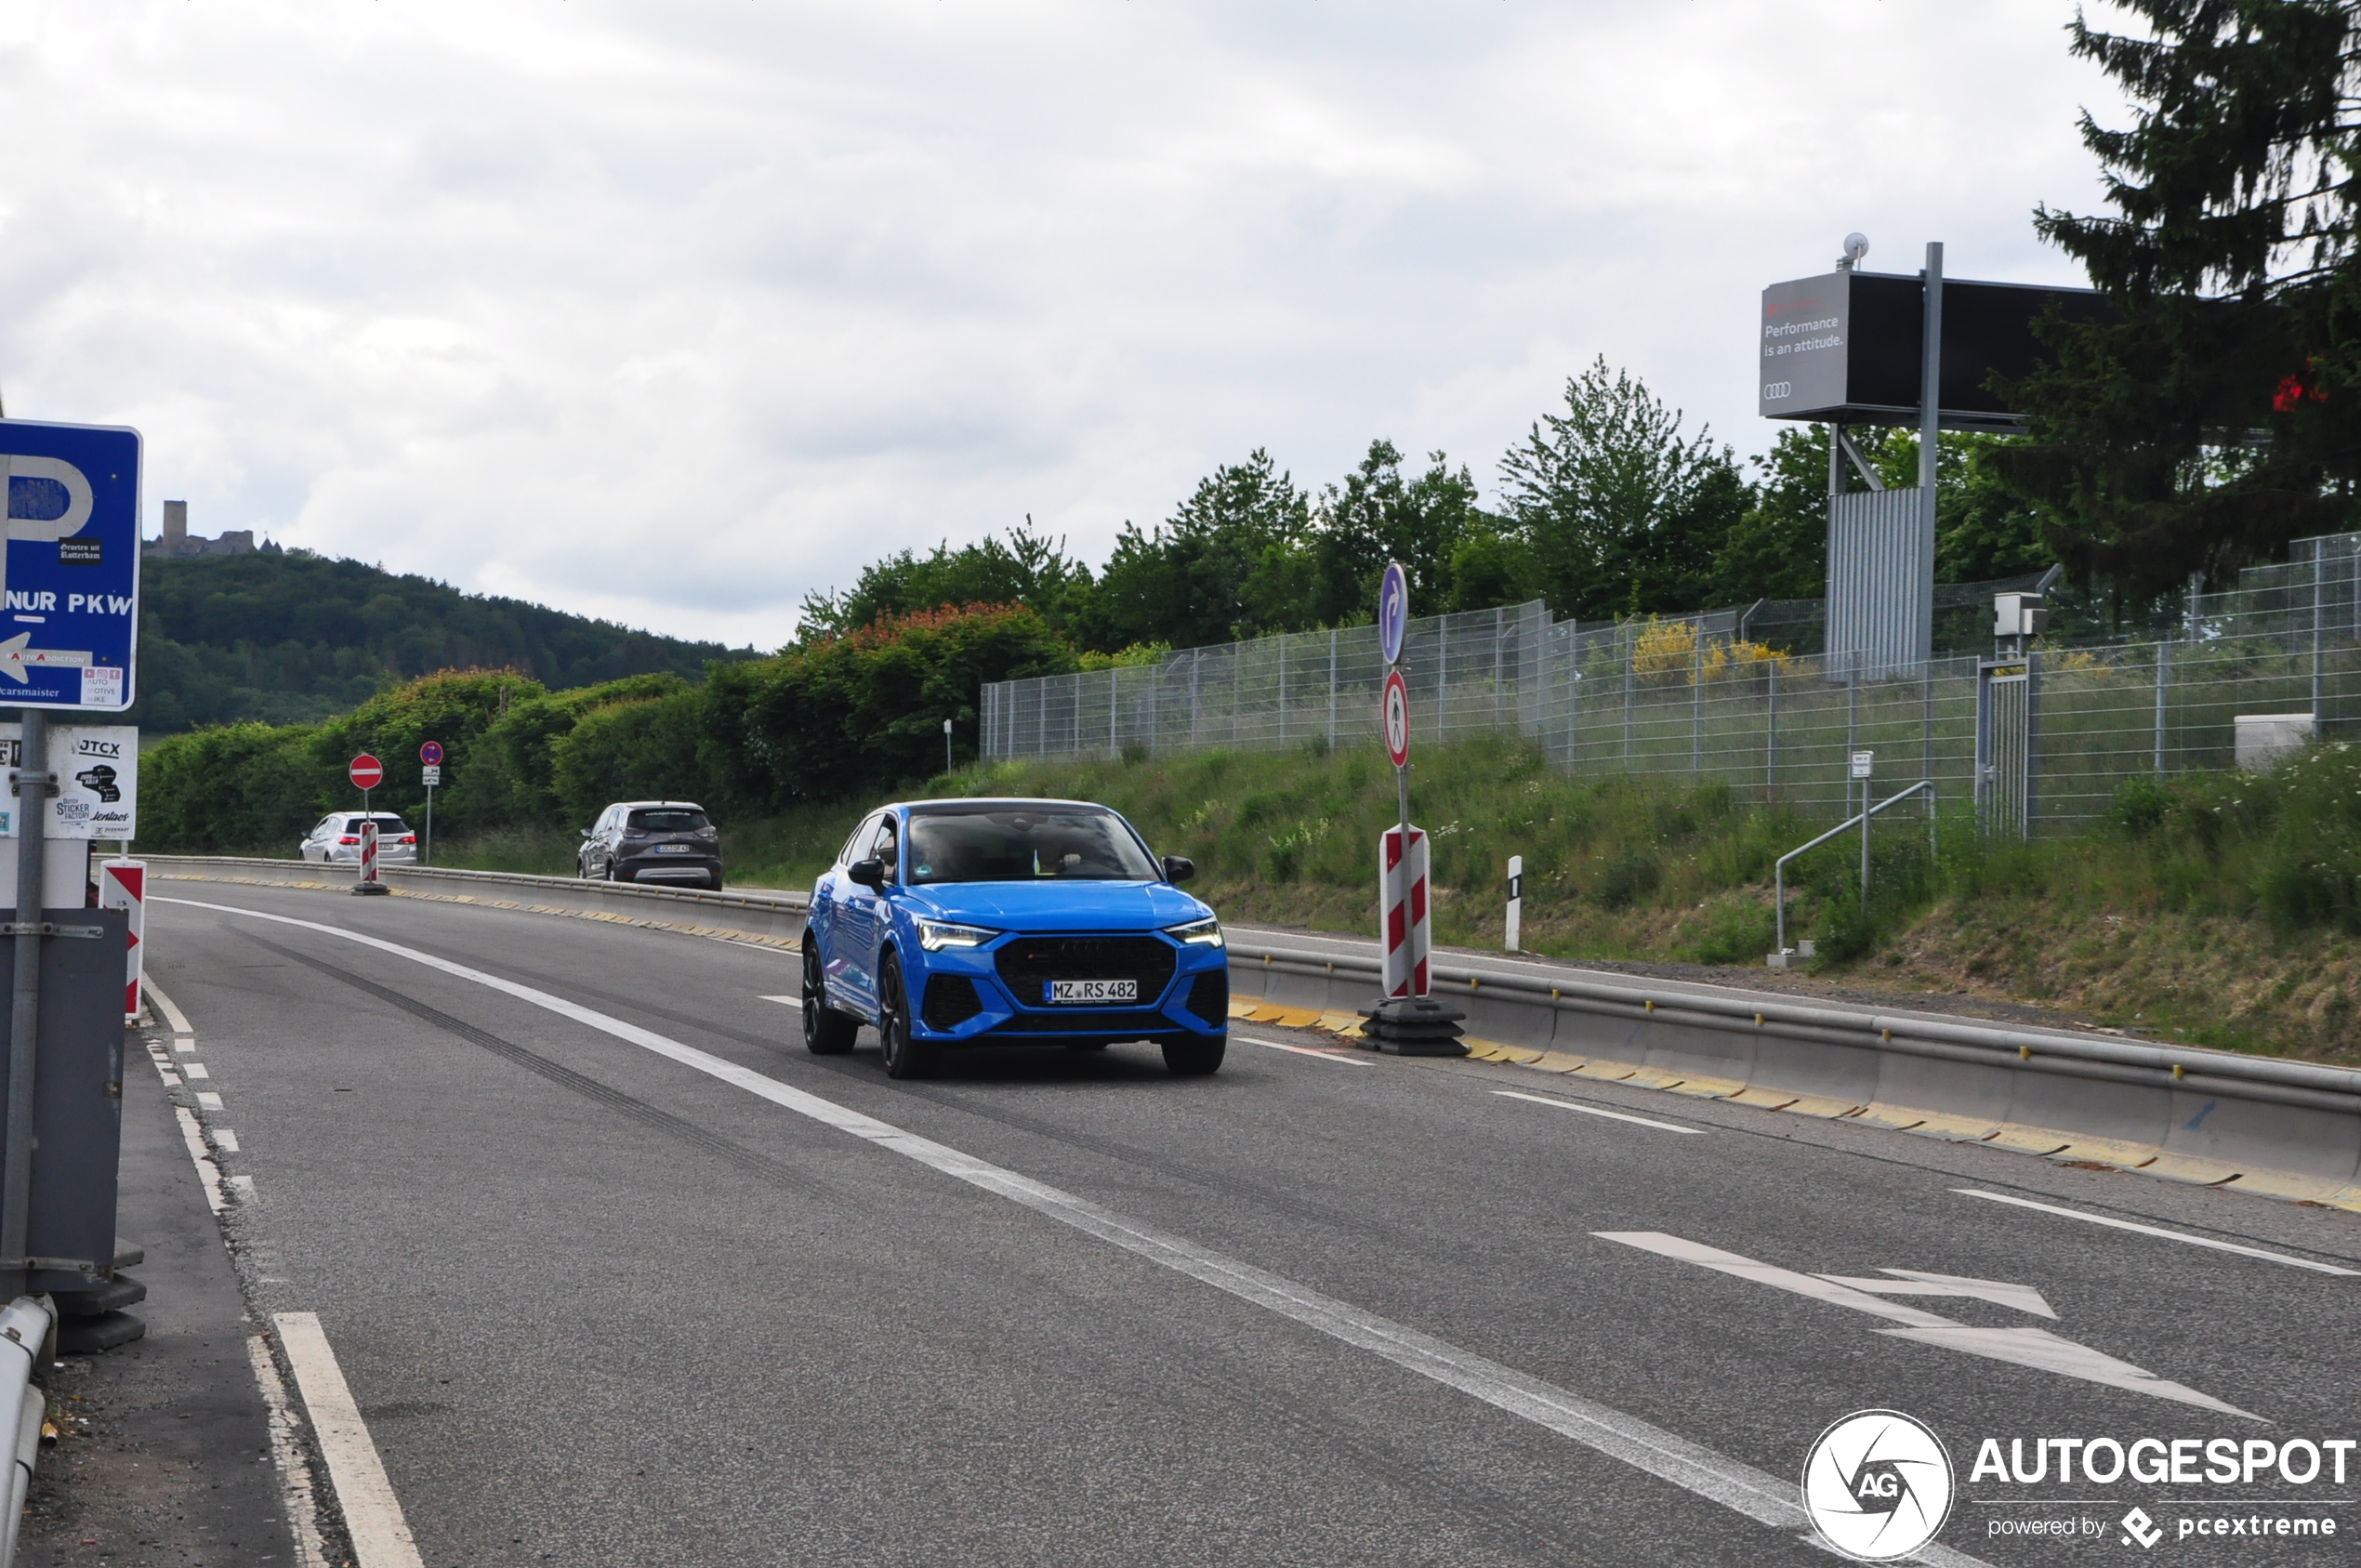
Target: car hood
(1057, 906)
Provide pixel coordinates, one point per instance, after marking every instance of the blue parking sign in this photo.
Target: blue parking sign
(70, 569)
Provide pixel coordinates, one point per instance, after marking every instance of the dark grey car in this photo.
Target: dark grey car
(651, 841)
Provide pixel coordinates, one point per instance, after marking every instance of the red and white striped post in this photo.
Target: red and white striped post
(123, 884)
(1408, 930)
(366, 773)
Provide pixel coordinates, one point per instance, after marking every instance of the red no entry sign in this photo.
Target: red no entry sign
(1397, 719)
(367, 771)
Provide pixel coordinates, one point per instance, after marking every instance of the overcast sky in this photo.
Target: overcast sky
(673, 312)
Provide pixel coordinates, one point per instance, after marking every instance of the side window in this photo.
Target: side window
(886, 846)
(853, 851)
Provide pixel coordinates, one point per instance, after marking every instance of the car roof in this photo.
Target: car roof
(996, 801)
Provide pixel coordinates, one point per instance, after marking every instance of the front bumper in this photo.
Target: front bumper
(1193, 1006)
(646, 867)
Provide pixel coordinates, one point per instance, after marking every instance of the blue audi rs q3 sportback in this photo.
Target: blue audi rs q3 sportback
(955, 924)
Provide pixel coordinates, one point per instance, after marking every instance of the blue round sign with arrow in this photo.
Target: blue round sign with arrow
(1393, 611)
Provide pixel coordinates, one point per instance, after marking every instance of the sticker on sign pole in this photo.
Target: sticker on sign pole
(366, 771)
(1393, 611)
(1397, 719)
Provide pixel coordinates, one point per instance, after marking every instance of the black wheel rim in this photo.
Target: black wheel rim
(889, 1018)
(811, 996)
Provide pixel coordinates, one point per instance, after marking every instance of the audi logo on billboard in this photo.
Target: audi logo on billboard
(1773, 390)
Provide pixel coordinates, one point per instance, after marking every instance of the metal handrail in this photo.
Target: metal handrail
(1779, 871)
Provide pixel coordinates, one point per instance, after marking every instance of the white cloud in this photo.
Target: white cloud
(673, 314)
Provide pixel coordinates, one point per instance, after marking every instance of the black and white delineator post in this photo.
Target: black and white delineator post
(1516, 903)
(1404, 1020)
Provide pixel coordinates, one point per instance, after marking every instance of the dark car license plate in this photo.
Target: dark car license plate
(1092, 990)
(675, 849)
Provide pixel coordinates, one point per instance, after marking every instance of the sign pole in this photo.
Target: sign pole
(24, 1013)
(426, 844)
(1411, 1023)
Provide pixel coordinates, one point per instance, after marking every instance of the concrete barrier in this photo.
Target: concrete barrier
(2290, 1129)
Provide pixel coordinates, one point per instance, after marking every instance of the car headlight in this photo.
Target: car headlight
(936, 935)
(1197, 934)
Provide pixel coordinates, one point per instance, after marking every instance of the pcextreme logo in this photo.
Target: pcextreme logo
(1877, 1485)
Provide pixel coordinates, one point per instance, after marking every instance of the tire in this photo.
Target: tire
(1194, 1059)
(906, 1056)
(826, 1031)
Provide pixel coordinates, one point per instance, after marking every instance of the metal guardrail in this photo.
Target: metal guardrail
(24, 1329)
(1779, 870)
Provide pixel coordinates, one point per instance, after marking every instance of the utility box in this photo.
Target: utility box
(2264, 738)
(77, 1104)
(2019, 615)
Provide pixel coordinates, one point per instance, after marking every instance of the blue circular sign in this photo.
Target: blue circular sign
(1393, 611)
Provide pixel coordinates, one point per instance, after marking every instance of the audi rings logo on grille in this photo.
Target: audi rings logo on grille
(1877, 1485)
(1773, 390)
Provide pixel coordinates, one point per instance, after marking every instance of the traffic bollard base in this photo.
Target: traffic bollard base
(1414, 1026)
(366, 888)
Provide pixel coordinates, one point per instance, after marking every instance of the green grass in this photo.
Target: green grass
(2218, 908)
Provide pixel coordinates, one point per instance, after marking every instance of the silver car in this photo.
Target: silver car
(337, 841)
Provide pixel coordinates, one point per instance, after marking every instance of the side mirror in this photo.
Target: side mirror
(585, 832)
(1179, 868)
(869, 873)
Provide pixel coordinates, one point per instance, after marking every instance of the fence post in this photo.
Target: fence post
(1696, 702)
(1499, 613)
(1573, 696)
(1196, 657)
(1041, 720)
(1332, 689)
(2164, 662)
(1237, 689)
(1625, 628)
(2032, 736)
(1926, 719)
(1441, 672)
(1114, 707)
(2318, 552)
(1771, 731)
(1155, 706)
(1283, 689)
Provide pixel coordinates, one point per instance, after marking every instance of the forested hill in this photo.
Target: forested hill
(294, 637)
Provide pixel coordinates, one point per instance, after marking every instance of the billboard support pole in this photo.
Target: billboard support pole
(1930, 423)
(24, 1012)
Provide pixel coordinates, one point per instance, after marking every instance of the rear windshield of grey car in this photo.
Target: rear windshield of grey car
(670, 820)
(988, 843)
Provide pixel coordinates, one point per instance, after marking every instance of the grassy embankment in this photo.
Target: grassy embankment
(2219, 909)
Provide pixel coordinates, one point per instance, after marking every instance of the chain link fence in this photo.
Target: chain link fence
(1700, 698)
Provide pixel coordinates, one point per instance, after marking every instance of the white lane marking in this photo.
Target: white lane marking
(225, 1140)
(208, 1101)
(208, 1173)
(1595, 1111)
(197, 1070)
(1914, 1281)
(2023, 1346)
(287, 1457)
(178, 1020)
(171, 1079)
(371, 1513)
(1305, 1051)
(1765, 1498)
(184, 1043)
(794, 1002)
(2158, 1231)
(243, 1187)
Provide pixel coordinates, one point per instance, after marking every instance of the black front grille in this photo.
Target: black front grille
(1210, 997)
(1027, 962)
(951, 999)
(1084, 1020)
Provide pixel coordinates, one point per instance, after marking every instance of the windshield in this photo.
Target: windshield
(1025, 844)
(676, 820)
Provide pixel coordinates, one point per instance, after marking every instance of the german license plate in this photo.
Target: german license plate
(674, 849)
(1093, 990)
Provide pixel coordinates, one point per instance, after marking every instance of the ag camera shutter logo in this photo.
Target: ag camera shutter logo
(1877, 1485)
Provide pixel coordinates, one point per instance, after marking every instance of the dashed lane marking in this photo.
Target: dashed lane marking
(2158, 1231)
(192, 1136)
(1767, 1499)
(1595, 1111)
(208, 1101)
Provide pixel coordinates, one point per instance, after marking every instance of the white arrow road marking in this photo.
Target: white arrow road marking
(1911, 1282)
(2024, 1347)
(1766, 1498)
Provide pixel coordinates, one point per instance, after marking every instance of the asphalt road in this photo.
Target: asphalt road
(642, 1282)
